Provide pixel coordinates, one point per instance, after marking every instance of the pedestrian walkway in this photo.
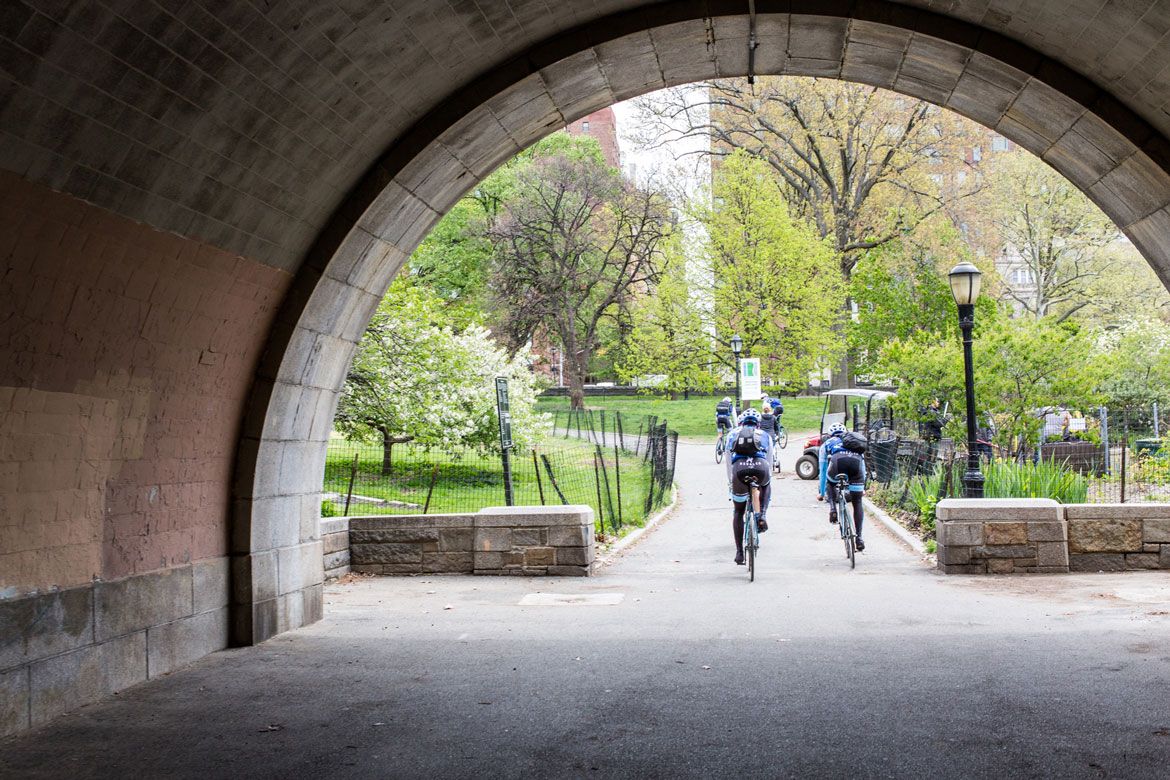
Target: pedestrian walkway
(669, 663)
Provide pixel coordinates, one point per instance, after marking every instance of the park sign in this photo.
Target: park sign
(751, 388)
(504, 412)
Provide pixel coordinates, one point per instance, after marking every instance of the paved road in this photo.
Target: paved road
(813, 671)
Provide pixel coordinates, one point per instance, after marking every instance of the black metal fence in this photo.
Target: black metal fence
(1108, 456)
(623, 478)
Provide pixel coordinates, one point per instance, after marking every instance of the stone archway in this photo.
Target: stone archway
(1087, 134)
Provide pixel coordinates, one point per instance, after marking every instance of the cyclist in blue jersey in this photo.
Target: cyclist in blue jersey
(750, 463)
(836, 459)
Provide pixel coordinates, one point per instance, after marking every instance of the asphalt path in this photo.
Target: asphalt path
(669, 663)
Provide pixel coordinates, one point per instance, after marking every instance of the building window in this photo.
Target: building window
(999, 143)
(1022, 276)
(584, 127)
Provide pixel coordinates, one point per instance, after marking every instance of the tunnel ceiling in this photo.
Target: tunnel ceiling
(245, 124)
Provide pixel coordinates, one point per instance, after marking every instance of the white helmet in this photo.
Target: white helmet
(726, 399)
(836, 429)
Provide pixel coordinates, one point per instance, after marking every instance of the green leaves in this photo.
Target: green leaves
(416, 378)
(776, 283)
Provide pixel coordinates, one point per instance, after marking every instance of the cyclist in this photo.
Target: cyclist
(769, 424)
(724, 411)
(750, 460)
(836, 459)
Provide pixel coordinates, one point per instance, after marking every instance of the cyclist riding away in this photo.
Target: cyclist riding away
(750, 463)
(724, 410)
(770, 424)
(836, 457)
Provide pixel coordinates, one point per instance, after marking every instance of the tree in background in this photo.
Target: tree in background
(1021, 366)
(776, 282)
(671, 334)
(1062, 239)
(454, 260)
(415, 378)
(574, 245)
(861, 164)
(855, 160)
(901, 292)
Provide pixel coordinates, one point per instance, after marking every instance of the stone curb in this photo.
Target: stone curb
(896, 528)
(629, 540)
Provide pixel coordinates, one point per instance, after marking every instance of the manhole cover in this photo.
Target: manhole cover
(572, 599)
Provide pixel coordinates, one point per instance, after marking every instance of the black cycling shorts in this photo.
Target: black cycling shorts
(849, 464)
(723, 423)
(754, 470)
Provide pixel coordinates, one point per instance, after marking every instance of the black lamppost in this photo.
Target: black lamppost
(965, 281)
(737, 350)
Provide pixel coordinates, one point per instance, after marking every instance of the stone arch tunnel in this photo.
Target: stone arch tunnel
(203, 203)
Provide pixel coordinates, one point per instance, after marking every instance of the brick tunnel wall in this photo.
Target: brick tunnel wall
(126, 357)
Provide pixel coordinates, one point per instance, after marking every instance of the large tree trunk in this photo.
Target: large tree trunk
(576, 367)
(841, 375)
(388, 442)
(576, 381)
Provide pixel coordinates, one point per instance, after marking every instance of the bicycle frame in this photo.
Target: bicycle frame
(845, 519)
(751, 531)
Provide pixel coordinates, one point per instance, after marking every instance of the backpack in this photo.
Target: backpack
(854, 443)
(747, 441)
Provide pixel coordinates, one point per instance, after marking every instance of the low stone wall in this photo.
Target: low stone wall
(1118, 537)
(535, 541)
(335, 546)
(1040, 536)
(1001, 536)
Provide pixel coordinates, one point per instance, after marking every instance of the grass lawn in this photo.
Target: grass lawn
(475, 481)
(694, 418)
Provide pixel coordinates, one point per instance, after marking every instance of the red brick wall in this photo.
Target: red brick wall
(125, 357)
(603, 127)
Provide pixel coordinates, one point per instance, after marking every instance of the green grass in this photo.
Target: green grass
(693, 418)
(476, 481)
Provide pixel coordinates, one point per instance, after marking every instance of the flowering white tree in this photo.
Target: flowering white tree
(416, 379)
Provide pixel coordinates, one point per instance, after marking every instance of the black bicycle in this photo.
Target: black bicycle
(720, 448)
(845, 520)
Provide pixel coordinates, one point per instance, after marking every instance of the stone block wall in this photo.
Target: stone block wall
(335, 546)
(1118, 537)
(63, 649)
(1001, 536)
(535, 541)
(1039, 536)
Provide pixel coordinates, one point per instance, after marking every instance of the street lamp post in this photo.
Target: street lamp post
(737, 350)
(965, 281)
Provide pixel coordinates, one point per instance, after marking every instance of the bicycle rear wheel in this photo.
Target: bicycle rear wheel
(850, 537)
(719, 452)
(783, 438)
(751, 556)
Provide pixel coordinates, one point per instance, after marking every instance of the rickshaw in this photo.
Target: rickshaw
(867, 416)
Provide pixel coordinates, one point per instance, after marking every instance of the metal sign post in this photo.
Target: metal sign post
(503, 412)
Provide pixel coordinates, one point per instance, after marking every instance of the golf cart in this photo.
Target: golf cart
(866, 415)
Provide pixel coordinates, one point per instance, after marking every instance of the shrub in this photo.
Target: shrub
(329, 509)
(1046, 479)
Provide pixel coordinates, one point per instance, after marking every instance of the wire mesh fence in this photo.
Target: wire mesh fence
(624, 479)
(1107, 456)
